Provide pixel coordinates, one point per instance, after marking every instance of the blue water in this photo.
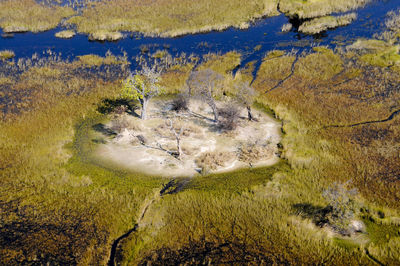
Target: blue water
(265, 32)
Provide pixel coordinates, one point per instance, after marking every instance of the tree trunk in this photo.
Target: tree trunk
(249, 114)
(144, 103)
(178, 143)
(214, 109)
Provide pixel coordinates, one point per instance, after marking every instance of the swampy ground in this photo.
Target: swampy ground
(339, 111)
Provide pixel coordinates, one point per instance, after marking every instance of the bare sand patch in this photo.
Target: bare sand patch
(150, 146)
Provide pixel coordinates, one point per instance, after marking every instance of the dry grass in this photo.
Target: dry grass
(28, 15)
(170, 17)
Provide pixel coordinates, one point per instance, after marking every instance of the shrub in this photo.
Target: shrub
(250, 152)
(212, 160)
(180, 103)
(228, 117)
(342, 207)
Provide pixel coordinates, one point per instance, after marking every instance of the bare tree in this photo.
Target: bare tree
(177, 135)
(342, 206)
(143, 85)
(246, 96)
(204, 83)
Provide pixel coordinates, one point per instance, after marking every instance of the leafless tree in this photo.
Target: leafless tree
(342, 205)
(246, 96)
(177, 135)
(205, 83)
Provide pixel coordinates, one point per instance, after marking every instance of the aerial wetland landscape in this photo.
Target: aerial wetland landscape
(182, 132)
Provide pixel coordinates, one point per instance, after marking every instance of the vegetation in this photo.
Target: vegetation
(143, 86)
(6, 54)
(339, 113)
(317, 8)
(56, 206)
(320, 24)
(170, 17)
(65, 34)
(28, 15)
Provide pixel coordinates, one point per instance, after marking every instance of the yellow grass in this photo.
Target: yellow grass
(320, 24)
(171, 17)
(318, 8)
(27, 15)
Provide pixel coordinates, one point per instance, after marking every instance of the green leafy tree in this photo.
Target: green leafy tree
(142, 86)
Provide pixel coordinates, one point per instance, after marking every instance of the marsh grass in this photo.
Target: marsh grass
(318, 8)
(28, 15)
(6, 55)
(321, 24)
(69, 208)
(170, 18)
(64, 206)
(65, 34)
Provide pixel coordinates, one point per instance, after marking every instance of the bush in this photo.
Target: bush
(212, 160)
(250, 152)
(342, 206)
(180, 103)
(228, 117)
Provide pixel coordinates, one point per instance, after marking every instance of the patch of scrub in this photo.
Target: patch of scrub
(150, 146)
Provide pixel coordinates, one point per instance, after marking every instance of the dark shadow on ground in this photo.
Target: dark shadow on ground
(110, 105)
(102, 129)
(316, 213)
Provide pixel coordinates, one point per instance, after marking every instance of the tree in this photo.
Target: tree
(205, 83)
(246, 96)
(342, 206)
(177, 135)
(142, 86)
